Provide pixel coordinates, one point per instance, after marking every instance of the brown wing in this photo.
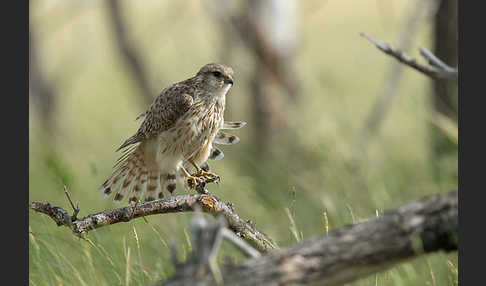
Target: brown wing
(172, 103)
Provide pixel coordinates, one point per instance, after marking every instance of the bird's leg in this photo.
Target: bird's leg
(190, 182)
(201, 173)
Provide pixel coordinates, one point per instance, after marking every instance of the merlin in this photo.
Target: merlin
(176, 137)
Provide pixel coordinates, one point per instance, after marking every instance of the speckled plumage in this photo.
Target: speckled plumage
(178, 132)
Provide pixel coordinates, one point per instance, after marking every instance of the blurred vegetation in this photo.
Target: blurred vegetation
(310, 168)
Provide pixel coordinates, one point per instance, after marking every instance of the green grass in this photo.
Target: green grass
(310, 171)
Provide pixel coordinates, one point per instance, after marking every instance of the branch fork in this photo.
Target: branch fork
(436, 69)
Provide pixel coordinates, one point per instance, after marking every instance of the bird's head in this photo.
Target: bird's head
(216, 78)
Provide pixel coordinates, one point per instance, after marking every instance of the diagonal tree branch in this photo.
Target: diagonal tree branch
(344, 255)
(388, 93)
(184, 203)
(437, 69)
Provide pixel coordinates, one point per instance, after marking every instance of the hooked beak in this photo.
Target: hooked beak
(228, 80)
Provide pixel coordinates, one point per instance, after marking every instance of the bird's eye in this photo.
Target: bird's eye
(217, 74)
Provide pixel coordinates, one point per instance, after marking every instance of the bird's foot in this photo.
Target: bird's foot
(208, 176)
(192, 182)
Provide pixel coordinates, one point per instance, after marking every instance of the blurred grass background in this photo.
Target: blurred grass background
(309, 167)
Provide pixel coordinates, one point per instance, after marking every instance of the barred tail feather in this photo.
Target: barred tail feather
(158, 183)
(233, 125)
(215, 154)
(112, 182)
(140, 187)
(153, 186)
(225, 138)
(170, 183)
(128, 176)
(127, 184)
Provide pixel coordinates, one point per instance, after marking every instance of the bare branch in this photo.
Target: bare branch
(434, 61)
(436, 70)
(248, 250)
(388, 93)
(184, 203)
(350, 253)
(75, 209)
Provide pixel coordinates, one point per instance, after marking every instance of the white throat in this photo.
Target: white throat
(224, 90)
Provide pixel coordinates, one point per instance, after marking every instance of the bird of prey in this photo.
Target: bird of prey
(176, 136)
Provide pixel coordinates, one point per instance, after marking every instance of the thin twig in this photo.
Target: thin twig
(437, 69)
(434, 61)
(75, 209)
(239, 243)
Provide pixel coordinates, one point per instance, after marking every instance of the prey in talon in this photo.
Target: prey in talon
(176, 139)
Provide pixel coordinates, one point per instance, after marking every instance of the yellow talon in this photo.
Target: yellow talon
(201, 173)
(192, 182)
(207, 175)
